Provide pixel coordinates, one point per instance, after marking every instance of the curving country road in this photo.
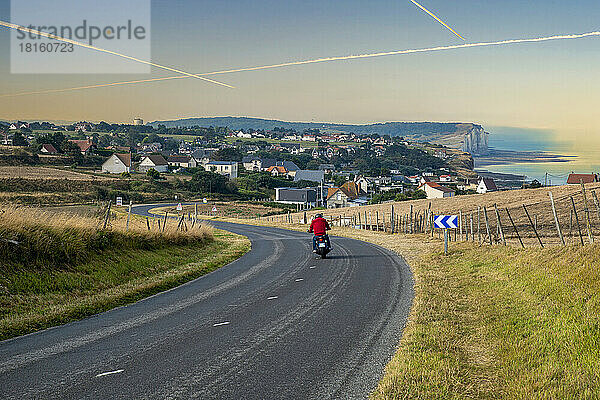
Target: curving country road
(275, 324)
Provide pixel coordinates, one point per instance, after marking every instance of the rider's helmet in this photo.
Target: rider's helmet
(319, 215)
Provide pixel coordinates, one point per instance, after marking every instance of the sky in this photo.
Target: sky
(553, 85)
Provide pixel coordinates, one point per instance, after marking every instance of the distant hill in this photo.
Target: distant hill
(451, 134)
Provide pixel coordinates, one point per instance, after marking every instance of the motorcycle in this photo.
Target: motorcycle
(322, 245)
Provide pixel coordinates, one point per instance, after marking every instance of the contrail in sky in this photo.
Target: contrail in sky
(87, 46)
(436, 18)
(329, 59)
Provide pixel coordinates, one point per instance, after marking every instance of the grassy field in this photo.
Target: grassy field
(494, 322)
(58, 268)
(227, 209)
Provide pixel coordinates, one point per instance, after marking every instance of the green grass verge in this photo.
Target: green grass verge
(501, 323)
(34, 299)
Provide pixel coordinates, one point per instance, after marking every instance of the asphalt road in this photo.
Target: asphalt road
(275, 324)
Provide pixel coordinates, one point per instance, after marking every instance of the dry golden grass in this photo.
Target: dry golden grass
(57, 267)
(30, 235)
(45, 173)
(227, 209)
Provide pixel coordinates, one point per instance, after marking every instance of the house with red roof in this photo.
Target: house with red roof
(86, 146)
(575, 179)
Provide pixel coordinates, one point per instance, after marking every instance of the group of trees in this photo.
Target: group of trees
(397, 195)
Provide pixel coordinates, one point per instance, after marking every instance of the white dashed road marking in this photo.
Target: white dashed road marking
(222, 323)
(271, 298)
(299, 280)
(110, 373)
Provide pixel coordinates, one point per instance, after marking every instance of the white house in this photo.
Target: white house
(182, 161)
(227, 168)
(117, 164)
(436, 191)
(154, 161)
(486, 185)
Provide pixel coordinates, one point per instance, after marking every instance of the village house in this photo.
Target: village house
(290, 166)
(277, 170)
(328, 168)
(486, 185)
(257, 164)
(182, 162)
(153, 161)
(154, 147)
(226, 168)
(117, 164)
(85, 146)
(309, 175)
(48, 149)
(468, 184)
(347, 195)
(575, 179)
(18, 125)
(436, 191)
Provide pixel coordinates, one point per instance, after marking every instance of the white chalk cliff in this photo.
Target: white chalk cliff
(476, 141)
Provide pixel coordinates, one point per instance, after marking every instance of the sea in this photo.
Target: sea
(579, 158)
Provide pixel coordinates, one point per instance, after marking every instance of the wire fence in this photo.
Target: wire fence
(571, 217)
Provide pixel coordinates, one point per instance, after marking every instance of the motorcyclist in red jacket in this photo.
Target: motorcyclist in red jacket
(319, 226)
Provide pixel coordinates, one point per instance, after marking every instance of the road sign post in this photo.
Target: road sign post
(446, 242)
(445, 222)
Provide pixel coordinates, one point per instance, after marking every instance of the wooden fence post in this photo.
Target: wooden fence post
(587, 213)
(107, 215)
(460, 224)
(577, 220)
(392, 220)
(596, 203)
(500, 224)
(560, 235)
(515, 228)
(533, 226)
(128, 216)
(377, 219)
(411, 219)
(487, 224)
(148, 223)
(479, 223)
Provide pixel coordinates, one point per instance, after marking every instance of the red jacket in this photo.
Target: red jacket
(319, 226)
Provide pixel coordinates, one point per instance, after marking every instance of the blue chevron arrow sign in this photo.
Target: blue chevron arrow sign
(445, 221)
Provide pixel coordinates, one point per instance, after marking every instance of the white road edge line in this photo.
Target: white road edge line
(272, 298)
(110, 373)
(222, 323)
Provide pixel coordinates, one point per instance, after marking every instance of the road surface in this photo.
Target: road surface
(275, 324)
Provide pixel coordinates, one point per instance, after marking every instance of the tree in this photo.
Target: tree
(312, 165)
(210, 182)
(152, 173)
(228, 154)
(72, 150)
(19, 139)
(339, 180)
